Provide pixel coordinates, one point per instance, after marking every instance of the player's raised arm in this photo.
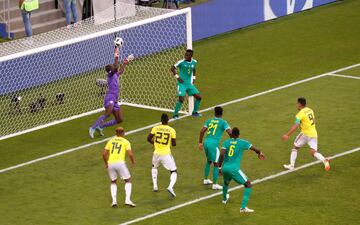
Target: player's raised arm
(258, 152)
(105, 155)
(116, 57)
(126, 62)
(201, 137)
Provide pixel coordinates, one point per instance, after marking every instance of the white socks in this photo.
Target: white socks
(173, 178)
(293, 156)
(127, 191)
(154, 173)
(113, 190)
(319, 156)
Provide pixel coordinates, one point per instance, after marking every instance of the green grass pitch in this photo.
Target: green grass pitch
(74, 188)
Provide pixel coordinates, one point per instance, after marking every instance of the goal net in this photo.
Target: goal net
(58, 76)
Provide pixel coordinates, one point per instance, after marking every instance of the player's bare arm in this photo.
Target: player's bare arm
(105, 157)
(261, 156)
(286, 136)
(221, 159)
(173, 142)
(116, 57)
(228, 131)
(201, 137)
(131, 156)
(150, 138)
(194, 75)
(175, 74)
(130, 58)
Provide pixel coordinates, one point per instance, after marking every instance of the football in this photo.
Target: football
(118, 42)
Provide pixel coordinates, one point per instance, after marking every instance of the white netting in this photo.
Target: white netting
(62, 82)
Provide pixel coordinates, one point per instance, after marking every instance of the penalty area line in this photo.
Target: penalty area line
(344, 76)
(164, 211)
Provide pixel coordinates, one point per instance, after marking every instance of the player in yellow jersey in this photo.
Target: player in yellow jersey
(305, 119)
(114, 155)
(163, 137)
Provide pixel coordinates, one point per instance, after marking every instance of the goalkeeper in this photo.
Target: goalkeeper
(187, 69)
(111, 98)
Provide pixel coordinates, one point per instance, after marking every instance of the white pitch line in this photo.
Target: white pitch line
(344, 76)
(236, 188)
(101, 109)
(181, 117)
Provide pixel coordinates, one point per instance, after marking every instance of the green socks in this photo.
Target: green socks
(196, 105)
(246, 196)
(225, 191)
(207, 170)
(216, 174)
(177, 108)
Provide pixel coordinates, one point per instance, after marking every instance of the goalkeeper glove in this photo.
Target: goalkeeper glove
(129, 59)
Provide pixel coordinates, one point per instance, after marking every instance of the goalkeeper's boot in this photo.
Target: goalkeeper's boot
(327, 164)
(227, 199)
(91, 132)
(246, 210)
(176, 117)
(196, 114)
(101, 130)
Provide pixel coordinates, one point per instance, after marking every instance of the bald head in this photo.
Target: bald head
(120, 131)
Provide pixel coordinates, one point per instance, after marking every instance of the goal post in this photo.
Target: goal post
(59, 75)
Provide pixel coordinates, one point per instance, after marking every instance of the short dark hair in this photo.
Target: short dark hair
(302, 101)
(235, 132)
(190, 51)
(218, 111)
(108, 68)
(164, 118)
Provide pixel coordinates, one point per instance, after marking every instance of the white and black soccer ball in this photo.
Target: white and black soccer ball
(118, 42)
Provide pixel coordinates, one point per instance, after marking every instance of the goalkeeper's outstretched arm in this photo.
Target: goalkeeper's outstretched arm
(126, 62)
(116, 57)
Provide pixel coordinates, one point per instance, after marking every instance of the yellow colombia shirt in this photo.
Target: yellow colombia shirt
(117, 148)
(162, 139)
(306, 118)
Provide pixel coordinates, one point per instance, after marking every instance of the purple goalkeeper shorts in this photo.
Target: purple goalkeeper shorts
(111, 99)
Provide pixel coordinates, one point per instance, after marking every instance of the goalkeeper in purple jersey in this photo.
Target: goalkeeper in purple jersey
(112, 95)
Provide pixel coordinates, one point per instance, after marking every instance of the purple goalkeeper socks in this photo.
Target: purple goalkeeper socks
(108, 123)
(98, 121)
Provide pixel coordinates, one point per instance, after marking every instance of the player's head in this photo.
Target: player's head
(164, 118)
(235, 132)
(218, 111)
(110, 68)
(301, 103)
(120, 132)
(189, 54)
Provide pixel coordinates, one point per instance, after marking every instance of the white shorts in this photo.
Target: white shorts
(166, 160)
(118, 169)
(302, 139)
